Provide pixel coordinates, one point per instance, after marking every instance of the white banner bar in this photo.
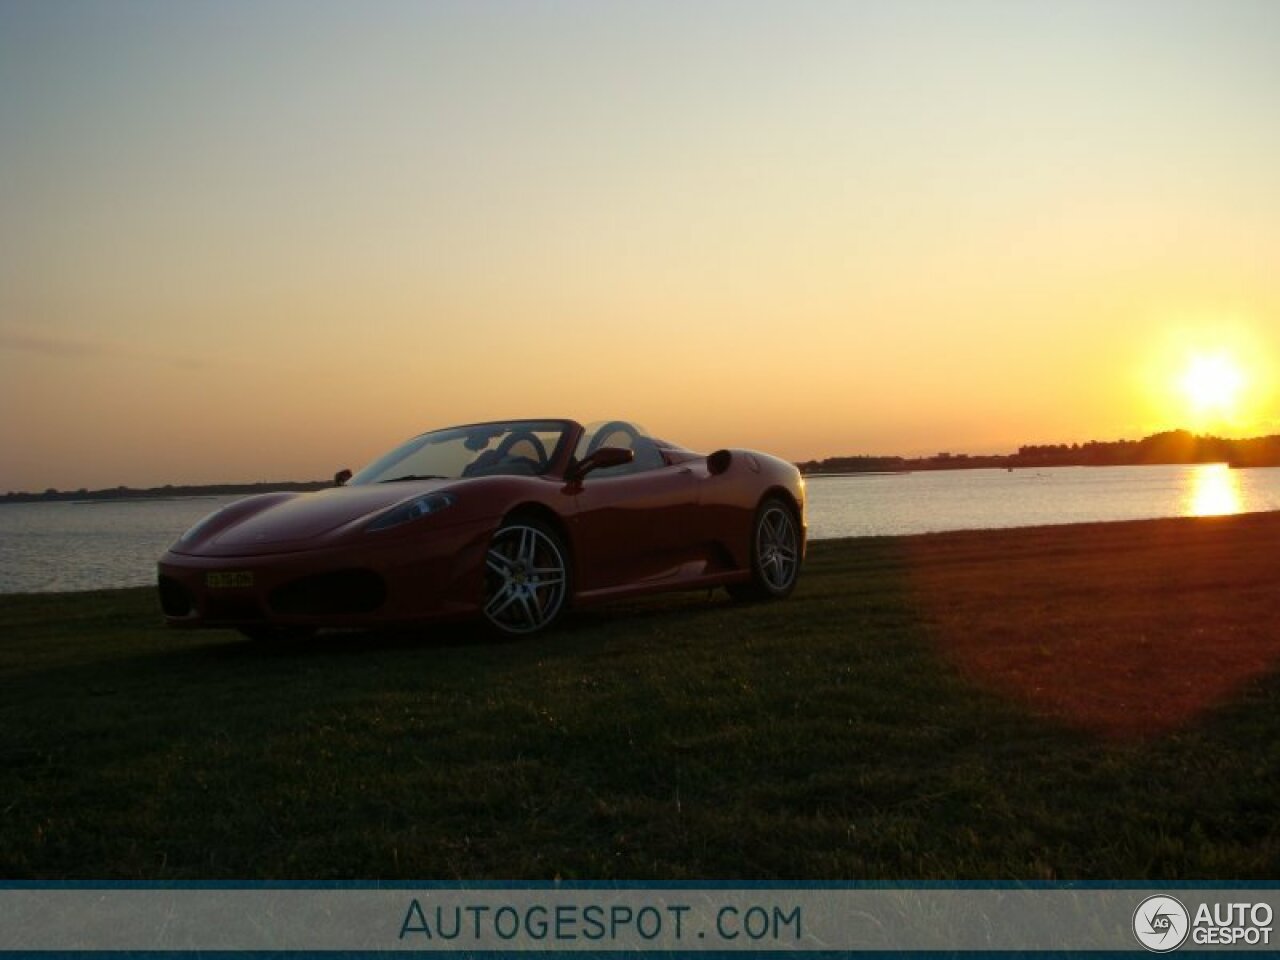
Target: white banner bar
(635, 919)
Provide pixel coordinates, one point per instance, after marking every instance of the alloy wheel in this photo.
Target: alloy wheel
(777, 548)
(526, 579)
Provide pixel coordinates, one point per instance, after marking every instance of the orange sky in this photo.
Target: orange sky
(244, 241)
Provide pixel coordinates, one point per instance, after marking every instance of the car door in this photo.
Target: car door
(636, 528)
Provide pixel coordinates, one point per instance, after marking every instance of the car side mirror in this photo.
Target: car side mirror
(601, 459)
(341, 477)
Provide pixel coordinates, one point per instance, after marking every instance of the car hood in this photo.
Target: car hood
(277, 523)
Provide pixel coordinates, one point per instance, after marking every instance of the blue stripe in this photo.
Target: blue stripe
(611, 954)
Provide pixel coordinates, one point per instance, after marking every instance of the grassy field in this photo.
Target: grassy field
(1061, 703)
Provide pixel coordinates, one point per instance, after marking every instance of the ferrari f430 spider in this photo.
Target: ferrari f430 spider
(512, 522)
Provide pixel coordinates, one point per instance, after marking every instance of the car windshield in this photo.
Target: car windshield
(515, 448)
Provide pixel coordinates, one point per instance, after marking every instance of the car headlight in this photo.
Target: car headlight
(422, 506)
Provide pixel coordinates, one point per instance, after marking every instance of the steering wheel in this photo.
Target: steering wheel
(524, 436)
(611, 429)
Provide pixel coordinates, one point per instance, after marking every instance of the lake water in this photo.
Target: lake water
(50, 547)
(903, 503)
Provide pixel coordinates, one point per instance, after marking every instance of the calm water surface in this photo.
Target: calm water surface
(48, 547)
(903, 503)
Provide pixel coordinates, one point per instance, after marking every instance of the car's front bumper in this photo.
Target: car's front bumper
(383, 582)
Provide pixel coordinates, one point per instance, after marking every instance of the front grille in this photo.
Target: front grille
(230, 609)
(330, 594)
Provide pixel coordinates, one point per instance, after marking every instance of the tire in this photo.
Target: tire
(526, 578)
(775, 553)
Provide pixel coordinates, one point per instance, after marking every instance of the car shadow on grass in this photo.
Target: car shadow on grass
(577, 626)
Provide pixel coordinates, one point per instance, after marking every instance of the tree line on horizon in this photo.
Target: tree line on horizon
(1167, 447)
(168, 492)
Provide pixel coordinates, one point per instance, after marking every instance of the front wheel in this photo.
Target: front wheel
(526, 577)
(775, 554)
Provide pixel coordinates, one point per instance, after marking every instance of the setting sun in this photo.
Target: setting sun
(1212, 384)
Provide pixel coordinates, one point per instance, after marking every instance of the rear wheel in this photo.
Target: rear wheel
(526, 577)
(775, 554)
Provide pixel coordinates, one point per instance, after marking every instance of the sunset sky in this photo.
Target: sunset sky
(264, 240)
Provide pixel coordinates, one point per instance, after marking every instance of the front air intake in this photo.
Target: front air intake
(175, 599)
(330, 594)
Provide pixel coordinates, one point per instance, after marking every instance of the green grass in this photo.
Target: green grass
(683, 737)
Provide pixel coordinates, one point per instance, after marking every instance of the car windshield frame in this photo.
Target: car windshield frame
(472, 450)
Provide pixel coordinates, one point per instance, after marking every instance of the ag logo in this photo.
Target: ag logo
(1161, 923)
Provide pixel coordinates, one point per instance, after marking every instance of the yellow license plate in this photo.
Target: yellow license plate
(237, 578)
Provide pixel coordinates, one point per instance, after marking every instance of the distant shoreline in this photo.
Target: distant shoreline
(91, 503)
(1170, 448)
(201, 492)
(859, 473)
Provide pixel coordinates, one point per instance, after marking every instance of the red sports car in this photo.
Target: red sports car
(512, 520)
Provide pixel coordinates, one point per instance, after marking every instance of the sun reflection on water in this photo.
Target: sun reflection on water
(1215, 491)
